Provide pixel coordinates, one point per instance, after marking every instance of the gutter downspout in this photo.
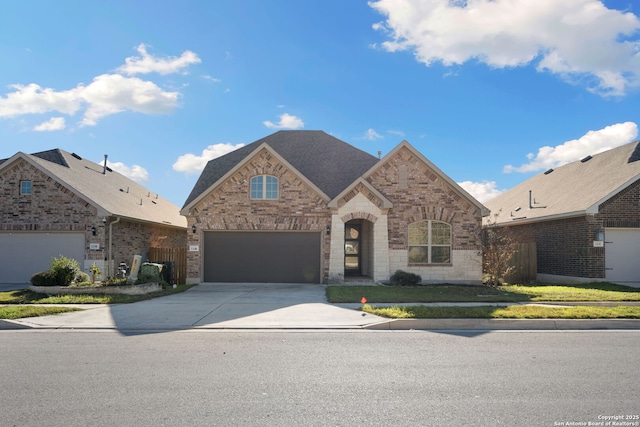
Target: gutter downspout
(109, 256)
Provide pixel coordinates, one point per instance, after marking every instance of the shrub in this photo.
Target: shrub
(43, 278)
(64, 270)
(404, 278)
(82, 277)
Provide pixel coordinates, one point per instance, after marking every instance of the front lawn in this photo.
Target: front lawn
(458, 293)
(510, 312)
(20, 311)
(29, 297)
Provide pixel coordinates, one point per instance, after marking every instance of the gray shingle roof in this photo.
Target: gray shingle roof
(326, 161)
(111, 193)
(573, 189)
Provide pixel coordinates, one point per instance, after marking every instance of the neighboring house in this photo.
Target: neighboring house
(56, 203)
(303, 206)
(583, 216)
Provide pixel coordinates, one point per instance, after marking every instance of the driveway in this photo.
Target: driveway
(218, 306)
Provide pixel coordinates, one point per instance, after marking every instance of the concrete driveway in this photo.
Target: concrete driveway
(218, 306)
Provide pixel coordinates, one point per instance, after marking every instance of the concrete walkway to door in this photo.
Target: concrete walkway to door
(217, 306)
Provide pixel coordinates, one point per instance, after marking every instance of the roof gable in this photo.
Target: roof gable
(325, 161)
(454, 186)
(577, 188)
(110, 192)
(246, 160)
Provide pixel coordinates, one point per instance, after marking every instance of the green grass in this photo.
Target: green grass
(20, 311)
(509, 293)
(29, 297)
(511, 312)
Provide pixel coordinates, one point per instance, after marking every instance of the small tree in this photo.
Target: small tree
(64, 270)
(498, 247)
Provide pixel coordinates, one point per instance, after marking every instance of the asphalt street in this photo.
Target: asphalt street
(338, 378)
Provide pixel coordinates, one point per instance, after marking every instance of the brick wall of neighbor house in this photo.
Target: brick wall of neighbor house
(135, 238)
(565, 246)
(422, 195)
(229, 207)
(50, 207)
(622, 210)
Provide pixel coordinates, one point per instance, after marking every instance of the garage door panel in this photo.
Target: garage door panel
(24, 254)
(260, 257)
(622, 255)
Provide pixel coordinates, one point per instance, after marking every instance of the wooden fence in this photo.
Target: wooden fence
(178, 259)
(525, 264)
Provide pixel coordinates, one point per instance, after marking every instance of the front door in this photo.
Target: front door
(352, 249)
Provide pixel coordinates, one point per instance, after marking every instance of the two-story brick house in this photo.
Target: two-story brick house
(56, 203)
(303, 206)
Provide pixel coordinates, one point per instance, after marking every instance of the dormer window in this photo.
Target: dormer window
(264, 187)
(25, 188)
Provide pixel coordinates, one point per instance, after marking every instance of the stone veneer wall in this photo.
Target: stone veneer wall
(229, 207)
(417, 194)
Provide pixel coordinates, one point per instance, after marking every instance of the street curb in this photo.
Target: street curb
(505, 324)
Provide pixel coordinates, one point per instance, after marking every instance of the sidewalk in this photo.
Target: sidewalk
(279, 306)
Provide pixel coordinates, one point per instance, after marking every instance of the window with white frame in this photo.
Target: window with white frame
(429, 242)
(264, 187)
(25, 187)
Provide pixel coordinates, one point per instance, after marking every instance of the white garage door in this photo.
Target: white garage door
(622, 255)
(24, 254)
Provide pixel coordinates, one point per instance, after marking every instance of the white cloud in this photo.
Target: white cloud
(33, 99)
(146, 63)
(136, 172)
(112, 93)
(575, 39)
(211, 78)
(287, 121)
(593, 142)
(396, 132)
(372, 135)
(191, 163)
(482, 191)
(54, 123)
(107, 94)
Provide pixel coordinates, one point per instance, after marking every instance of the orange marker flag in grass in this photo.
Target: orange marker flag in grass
(363, 300)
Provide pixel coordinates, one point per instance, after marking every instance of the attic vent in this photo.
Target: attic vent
(548, 171)
(76, 156)
(586, 159)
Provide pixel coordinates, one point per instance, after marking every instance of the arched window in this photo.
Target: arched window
(264, 187)
(429, 242)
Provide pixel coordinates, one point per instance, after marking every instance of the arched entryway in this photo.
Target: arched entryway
(358, 248)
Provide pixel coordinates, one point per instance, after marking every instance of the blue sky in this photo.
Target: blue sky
(491, 92)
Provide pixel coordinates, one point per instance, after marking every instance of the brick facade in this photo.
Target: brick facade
(565, 246)
(417, 193)
(53, 207)
(229, 207)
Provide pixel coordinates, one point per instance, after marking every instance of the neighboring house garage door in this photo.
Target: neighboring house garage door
(261, 257)
(622, 252)
(24, 254)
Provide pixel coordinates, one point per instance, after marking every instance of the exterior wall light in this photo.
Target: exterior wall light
(599, 235)
(93, 230)
(193, 229)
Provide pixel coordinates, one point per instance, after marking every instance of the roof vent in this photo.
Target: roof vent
(76, 156)
(586, 159)
(548, 171)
